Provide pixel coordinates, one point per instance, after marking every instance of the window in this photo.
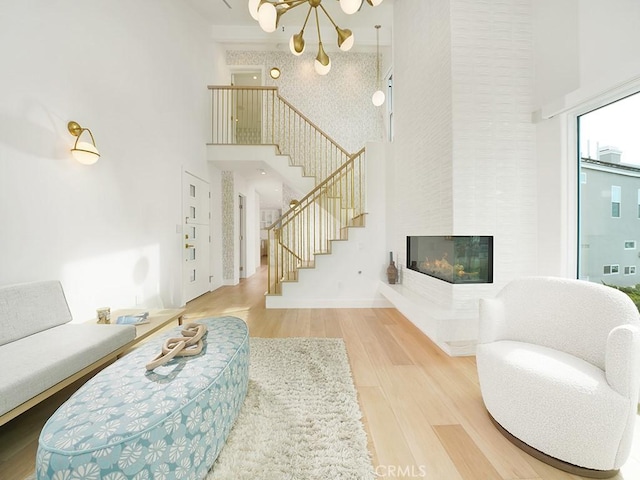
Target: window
(608, 157)
(611, 269)
(616, 194)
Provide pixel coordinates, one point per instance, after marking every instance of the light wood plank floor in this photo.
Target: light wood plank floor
(422, 409)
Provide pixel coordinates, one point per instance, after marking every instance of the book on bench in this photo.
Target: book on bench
(138, 319)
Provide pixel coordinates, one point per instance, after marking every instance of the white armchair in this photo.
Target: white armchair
(559, 369)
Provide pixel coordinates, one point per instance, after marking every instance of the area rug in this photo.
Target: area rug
(301, 418)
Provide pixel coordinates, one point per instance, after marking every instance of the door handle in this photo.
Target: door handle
(188, 245)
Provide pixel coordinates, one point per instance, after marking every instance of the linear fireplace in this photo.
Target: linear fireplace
(454, 259)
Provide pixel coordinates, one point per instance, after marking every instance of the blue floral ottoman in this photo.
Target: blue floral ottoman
(171, 423)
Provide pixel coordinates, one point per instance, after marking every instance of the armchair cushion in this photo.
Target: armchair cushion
(555, 401)
(559, 369)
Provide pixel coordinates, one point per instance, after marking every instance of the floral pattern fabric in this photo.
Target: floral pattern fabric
(127, 423)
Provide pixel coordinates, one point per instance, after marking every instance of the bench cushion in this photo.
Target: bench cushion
(29, 308)
(127, 422)
(37, 362)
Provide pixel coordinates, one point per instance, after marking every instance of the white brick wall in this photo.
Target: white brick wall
(464, 150)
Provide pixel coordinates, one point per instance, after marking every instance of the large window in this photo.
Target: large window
(609, 189)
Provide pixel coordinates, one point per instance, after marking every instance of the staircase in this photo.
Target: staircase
(260, 116)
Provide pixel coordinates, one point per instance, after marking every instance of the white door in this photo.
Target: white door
(195, 236)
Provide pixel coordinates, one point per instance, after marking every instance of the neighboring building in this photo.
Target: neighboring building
(610, 220)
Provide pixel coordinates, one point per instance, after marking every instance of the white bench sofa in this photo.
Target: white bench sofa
(559, 368)
(41, 352)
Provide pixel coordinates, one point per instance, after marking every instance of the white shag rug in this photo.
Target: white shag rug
(301, 418)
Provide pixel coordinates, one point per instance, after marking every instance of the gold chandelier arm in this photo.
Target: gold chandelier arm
(290, 4)
(304, 25)
(318, 26)
(328, 16)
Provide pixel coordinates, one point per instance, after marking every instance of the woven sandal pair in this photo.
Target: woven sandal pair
(189, 344)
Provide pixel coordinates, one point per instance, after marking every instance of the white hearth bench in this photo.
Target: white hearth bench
(41, 352)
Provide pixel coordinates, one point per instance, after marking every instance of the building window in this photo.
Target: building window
(611, 269)
(630, 270)
(583, 179)
(616, 194)
(639, 203)
(630, 245)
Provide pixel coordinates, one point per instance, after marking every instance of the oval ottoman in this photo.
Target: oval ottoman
(128, 423)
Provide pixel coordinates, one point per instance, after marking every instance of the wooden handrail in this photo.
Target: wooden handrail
(312, 193)
(306, 119)
(239, 87)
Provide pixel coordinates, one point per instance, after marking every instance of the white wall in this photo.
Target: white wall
(464, 148)
(596, 47)
(350, 276)
(339, 102)
(135, 73)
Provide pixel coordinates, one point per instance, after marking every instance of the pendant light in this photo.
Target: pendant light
(378, 96)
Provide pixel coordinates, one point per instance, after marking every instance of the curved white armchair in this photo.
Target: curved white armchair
(559, 369)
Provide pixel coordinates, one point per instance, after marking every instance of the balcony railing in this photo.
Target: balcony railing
(322, 216)
(260, 116)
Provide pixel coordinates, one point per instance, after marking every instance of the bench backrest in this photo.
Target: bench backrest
(573, 316)
(29, 308)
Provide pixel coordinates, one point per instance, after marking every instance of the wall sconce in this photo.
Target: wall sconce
(84, 152)
(274, 73)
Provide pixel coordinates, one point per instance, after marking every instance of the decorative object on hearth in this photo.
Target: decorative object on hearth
(392, 270)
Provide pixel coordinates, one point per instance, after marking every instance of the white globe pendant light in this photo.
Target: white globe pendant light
(322, 64)
(350, 6)
(253, 9)
(378, 98)
(267, 17)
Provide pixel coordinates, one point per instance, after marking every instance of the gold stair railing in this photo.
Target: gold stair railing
(322, 216)
(260, 116)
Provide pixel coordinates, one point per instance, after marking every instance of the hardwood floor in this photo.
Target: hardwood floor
(422, 409)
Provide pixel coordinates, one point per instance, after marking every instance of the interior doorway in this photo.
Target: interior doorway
(248, 105)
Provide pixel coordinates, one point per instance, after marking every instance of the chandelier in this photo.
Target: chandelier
(268, 13)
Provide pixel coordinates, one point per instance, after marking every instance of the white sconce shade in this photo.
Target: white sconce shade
(350, 6)
(378, 98)
(253, 9)
(85, 153)
(267, 17)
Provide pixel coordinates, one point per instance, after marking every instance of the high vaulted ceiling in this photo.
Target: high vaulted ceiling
(233, 26)
(232, 23)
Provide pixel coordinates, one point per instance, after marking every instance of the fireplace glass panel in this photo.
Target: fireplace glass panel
(454, 259)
